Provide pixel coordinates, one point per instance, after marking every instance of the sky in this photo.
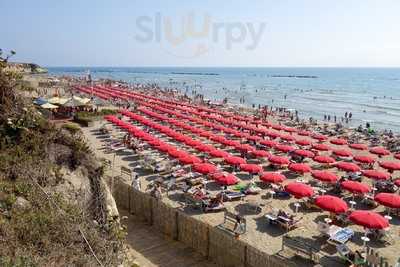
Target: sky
(284, 33)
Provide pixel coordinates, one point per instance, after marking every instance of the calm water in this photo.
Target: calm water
(371, 94)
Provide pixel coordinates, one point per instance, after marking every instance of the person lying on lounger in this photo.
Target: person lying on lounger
(216, 201)
(283, 214)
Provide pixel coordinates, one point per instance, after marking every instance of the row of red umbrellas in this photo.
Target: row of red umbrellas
(301, 189)
(376, 150)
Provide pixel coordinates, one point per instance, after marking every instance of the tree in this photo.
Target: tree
(5, 59)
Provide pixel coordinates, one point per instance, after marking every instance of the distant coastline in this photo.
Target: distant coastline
(25, 68)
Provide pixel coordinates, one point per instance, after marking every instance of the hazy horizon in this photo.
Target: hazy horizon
(127, 33)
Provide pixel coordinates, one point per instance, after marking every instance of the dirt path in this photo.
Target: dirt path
(150, 248)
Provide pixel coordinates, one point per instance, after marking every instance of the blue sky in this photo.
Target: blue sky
(297, 32)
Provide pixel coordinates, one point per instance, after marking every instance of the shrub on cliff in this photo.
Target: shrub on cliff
(53, 231)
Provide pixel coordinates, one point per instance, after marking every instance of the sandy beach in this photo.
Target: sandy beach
(259, 233)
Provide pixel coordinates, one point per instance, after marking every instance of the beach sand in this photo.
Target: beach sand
(259, 234)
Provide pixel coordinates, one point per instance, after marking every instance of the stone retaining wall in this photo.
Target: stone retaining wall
(213, 243)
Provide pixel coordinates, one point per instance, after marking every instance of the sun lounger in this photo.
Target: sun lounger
(231, 195)
(341, 235)
(193, 202)
(288, 224)
(369, 201)
(213, 208)
(335, 234)
(310, 204)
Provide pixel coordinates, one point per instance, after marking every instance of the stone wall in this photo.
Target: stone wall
(213, 243)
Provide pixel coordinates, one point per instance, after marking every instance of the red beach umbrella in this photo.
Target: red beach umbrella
(268, 143)
(164, 147)
(233, 160)
(342, 152)
(331, 203)
(193, 143)
(290, 129)
(218, 153)
(364, 159)
(321, 147)
(261, 153)
(278, 160)
(299, 167)
(325, 176)
(217, 138)
(358, 146)
(299, 190)
(245, 147)
(204, 148)
(177, 153)
(251, 168)
(304, 153)
(319, 137)
(369, 219)
(228, 142)
(204, 168)
(255, 138)
(355, 187)
(304, 133)
(376, 175)
(284, 148)
(379, 151)
(190, 160)
(272, 134)
(339, 141)
(390, 165)
(388, 200)
(348, 167)
(155, 142)
(303, 142)
(324, 159)
(287, 137)
(277, 127)
(225, 179)
(272, 177)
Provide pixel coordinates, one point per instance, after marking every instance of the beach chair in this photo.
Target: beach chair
(287, 223)
(310, 204)
(193, 202)
(368, 200)
(232, 195)
(208, 207)
(348, 257)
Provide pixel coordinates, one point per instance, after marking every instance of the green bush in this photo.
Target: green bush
(73, 128)
(84, 121)
(100, 113)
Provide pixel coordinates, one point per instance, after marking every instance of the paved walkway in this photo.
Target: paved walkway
(150, 248)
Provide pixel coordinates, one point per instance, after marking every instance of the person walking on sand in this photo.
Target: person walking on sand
(136, 184)
(350, 115)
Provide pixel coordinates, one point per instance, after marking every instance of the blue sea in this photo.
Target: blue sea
(370, 94)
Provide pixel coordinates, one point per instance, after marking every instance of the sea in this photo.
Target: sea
(370, 94)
